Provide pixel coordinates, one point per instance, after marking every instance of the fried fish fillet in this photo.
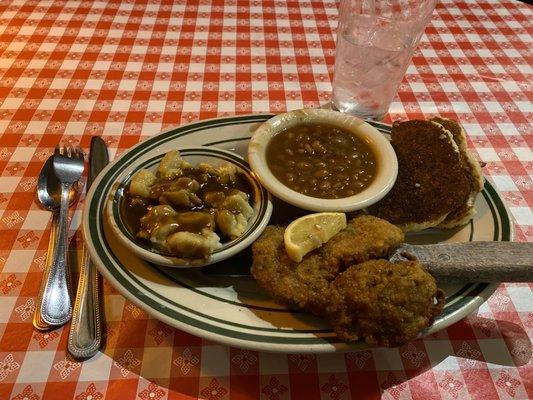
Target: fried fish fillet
(383, 303)
(305, 285)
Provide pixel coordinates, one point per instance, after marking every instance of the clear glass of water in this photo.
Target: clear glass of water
(375, 42)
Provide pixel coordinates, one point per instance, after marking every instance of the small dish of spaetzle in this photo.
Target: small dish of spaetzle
(188, 207)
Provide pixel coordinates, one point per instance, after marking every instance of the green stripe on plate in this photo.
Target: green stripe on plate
(117, 271)
(113, 173)
(190, 310)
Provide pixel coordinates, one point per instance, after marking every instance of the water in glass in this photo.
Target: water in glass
(374, 47)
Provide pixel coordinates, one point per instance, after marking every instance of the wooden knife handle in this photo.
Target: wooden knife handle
(474, 261)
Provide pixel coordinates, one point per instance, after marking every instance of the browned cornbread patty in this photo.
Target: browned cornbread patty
(431, 180)
(472, 169)
(467, 162)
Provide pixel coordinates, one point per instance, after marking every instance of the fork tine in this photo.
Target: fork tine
(79, 153)
(57, 151)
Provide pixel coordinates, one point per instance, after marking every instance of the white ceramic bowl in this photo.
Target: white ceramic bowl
(261, 204)
(386, 162)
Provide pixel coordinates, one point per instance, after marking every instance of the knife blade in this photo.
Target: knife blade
(86, 329)
(472, 261)
(448, 262)
(98, 158)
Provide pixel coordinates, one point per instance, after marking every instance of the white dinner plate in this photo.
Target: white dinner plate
(222, 302)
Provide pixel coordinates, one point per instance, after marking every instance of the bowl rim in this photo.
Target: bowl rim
(387, 161)
(262, 212)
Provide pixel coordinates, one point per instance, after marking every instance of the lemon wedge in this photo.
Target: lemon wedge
(310, 232)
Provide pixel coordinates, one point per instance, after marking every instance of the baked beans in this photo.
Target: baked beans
(321, 160)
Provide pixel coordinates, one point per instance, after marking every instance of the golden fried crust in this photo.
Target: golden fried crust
(305, 285)
(365, 237)
(295, 284)
(383, 303)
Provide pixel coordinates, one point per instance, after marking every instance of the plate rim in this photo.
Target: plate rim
(324, 345)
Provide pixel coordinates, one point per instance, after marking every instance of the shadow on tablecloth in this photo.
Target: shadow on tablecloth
(197, 363)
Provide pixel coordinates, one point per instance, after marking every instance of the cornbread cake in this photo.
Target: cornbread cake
(432, 179)
(463, 214)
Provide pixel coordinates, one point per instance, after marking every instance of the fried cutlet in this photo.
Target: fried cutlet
(431, 180)
(466, 211)
(294, 284)
(383, 303)
(364, 238)
(305, 285)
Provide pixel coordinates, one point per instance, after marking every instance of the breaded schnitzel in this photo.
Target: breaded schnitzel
(305, 285)
(375, 300)
(383, 303)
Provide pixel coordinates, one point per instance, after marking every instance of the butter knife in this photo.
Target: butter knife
(447, 262)
(86, 328)
(473, 261)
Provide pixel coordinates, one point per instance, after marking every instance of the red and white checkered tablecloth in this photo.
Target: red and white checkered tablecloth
(130, 69)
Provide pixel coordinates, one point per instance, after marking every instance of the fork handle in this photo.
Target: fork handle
(56, 308)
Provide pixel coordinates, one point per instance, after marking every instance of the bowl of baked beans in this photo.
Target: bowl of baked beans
(323, 160)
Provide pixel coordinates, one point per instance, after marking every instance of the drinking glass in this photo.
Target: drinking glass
(375, 43)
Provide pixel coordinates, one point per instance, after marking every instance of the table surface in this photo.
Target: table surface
(128, 70)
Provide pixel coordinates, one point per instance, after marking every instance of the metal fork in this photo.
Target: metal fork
(56, 307)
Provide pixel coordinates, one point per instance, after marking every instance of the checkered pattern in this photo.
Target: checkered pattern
(130, 69)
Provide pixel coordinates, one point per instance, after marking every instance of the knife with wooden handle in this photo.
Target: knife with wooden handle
(86, 328)
(473, 261)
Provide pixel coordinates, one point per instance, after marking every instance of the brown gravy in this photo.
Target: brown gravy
(133, 209)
